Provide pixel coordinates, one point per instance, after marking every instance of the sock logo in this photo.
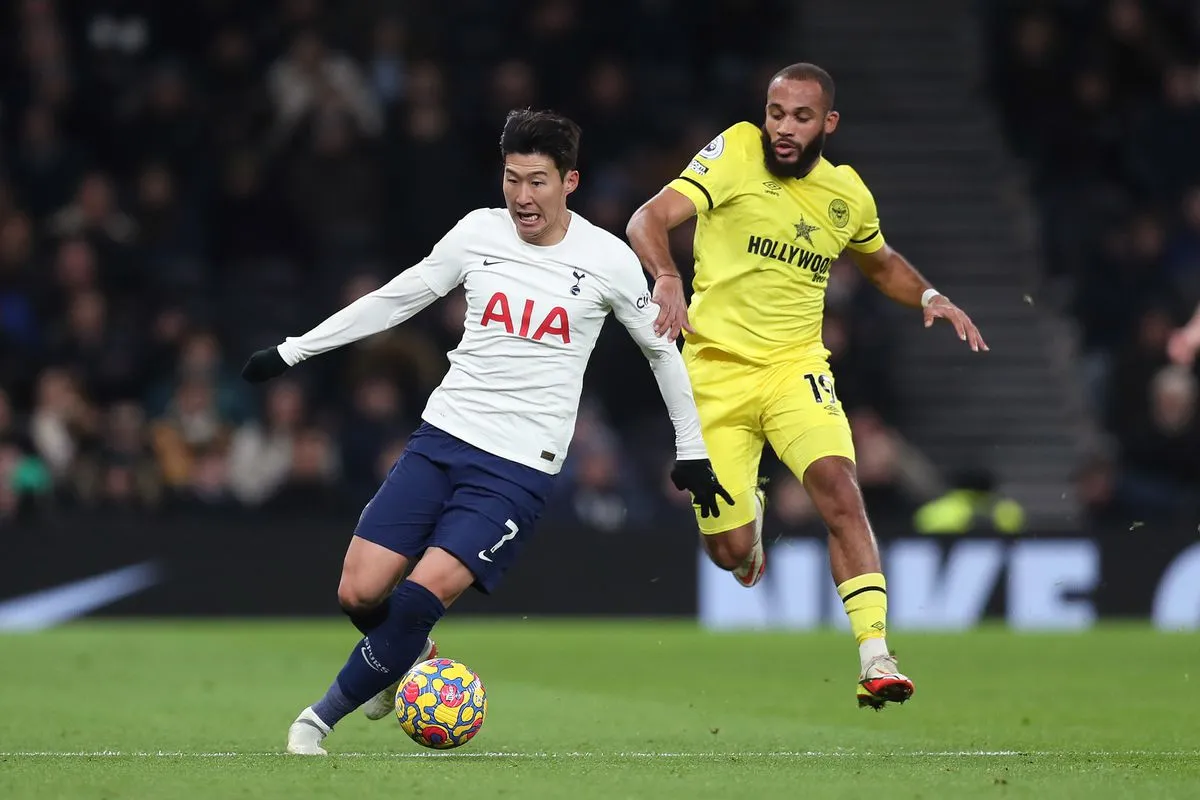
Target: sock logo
(370, 658)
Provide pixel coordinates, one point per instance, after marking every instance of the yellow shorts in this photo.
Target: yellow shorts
(793, 405)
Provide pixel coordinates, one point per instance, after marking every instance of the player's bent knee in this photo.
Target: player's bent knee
(730, 549)
(355, 598)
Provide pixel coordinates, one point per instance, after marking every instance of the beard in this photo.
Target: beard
(806, 157)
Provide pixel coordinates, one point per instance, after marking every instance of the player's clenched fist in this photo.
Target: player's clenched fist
(264, 365)
(697, 477)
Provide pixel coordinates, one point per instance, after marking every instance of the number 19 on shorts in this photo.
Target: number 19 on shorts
(822, 388)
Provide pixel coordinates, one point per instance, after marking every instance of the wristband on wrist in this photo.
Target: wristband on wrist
(669, 275)
(927, 297)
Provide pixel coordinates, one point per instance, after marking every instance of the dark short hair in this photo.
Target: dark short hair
(804, 71)
(543, 132)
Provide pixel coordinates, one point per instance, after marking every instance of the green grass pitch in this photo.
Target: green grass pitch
(598, 709)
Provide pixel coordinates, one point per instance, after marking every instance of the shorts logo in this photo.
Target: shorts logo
(839, 213)
(697, 167)
(512, 532)
(714, 148)
(643, 301)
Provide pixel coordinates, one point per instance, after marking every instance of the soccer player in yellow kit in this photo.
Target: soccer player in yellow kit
(772, 215)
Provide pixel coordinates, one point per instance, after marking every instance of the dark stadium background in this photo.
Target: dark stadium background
(182, 183)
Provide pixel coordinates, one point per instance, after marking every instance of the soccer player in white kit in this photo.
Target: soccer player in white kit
(463, 498)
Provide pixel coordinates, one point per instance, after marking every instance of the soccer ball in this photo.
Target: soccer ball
(441, 704)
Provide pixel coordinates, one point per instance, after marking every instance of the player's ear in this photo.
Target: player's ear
(831, 122)
(571, 181)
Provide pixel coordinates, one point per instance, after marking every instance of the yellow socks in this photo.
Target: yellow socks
(865, 599)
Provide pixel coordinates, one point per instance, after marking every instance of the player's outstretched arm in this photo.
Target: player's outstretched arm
(391, 304)
(648, 231)
(892, 274)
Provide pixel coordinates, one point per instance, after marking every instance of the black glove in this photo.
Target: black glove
(264, 365)
(698, 478)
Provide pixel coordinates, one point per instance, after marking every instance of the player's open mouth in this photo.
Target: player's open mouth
(528, 218)
(784, 149)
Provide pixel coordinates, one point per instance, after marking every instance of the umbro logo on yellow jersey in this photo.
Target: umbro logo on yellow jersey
(772, 188)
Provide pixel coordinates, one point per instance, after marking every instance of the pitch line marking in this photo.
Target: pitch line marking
(796, 754)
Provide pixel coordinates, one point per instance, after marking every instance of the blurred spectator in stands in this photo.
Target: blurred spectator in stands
(8, 419)
(592, 488)
(24, 482)
(163, 125)
(894, 476)
(237, 109)
(375, 420)
(1028, 81)
(973, 505)
(75, 271)
(171, 237)
(120, 471)
(1183, 249)
(1162, 142)
(333, 183)
(190, 435)
(62, 421)
(1119, 281)
(1097, 491)
(1136, 364)
(250, 217)
(386, 66)
(310, 483)
(1135, 46)
(607, 111)
(859, 367)
(261, 454)
(1161, 450)
(207, 484)
(425, 150)
(311, 79)
(514, 84)
(200, 357)
(861, 330)
(47, 167)
(19, 319)
(94, 213)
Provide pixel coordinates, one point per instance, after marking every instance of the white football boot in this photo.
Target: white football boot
(306, 734)
(752, 569)
(881, 682)
(384, 703)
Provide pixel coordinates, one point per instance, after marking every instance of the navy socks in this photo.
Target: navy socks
(385, 653)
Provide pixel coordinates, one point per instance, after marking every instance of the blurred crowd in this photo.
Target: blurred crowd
(182, 184)
(1101, 98)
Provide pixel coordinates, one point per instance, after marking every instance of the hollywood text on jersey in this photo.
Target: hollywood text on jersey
(766, 247)
(553, 323)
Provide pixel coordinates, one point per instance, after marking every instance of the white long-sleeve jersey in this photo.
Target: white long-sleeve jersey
(533, 316)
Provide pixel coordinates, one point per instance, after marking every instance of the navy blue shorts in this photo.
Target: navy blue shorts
(443, 492)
